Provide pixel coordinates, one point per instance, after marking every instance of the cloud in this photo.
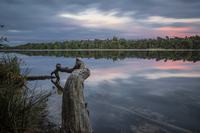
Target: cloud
(94, 18)
(165, 20)
(127, 24)
(35, 20)
(174, 31)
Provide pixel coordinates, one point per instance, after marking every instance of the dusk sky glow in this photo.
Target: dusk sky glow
(57, 20)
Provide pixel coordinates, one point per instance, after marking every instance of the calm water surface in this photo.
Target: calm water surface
(130, 95)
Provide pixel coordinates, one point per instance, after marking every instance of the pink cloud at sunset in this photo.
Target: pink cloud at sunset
(175, 31)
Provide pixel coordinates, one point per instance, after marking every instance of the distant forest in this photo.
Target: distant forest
(192, 42)
(191, 56)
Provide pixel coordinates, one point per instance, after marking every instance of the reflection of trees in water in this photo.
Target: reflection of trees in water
(115, 55)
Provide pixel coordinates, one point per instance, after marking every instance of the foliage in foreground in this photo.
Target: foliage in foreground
(192, 42)
(22, 109)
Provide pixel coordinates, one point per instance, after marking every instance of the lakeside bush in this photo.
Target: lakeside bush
(22, 109)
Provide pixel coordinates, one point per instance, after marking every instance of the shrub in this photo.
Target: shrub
(22, 109)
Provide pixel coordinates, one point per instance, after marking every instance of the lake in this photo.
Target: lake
(128, 91)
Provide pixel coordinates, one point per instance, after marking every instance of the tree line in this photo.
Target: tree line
(192, 42)
(191, 56)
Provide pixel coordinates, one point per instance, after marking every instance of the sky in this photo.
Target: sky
(57, 20)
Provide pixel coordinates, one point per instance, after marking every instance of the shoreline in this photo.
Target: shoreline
(63, 50)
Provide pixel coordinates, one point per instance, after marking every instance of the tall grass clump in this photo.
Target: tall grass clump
(22, 109)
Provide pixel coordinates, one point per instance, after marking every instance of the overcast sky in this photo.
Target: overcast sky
(46, 20)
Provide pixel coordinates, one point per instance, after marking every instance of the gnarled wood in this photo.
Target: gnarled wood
(39, 77)
(75, 115)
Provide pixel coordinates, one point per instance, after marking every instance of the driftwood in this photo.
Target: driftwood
(75, 115)
(41, 77)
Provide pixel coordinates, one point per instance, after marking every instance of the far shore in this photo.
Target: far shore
(16, 50)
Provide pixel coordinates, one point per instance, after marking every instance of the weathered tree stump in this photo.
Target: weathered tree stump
(75, 115)
(39, 77)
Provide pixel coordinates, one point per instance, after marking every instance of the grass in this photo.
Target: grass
(22, 109)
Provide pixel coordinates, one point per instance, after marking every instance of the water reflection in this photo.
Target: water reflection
(144, 68)
(133, 94)
(168, 94)
(118, 55)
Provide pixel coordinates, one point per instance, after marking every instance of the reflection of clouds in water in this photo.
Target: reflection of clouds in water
(160, 99)
(122, 69)
(140, 85)
(169, 75)
(109, 75)
(178, 65)
(147, 69)
(172, 69)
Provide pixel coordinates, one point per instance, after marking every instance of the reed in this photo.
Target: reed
(22, 109)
